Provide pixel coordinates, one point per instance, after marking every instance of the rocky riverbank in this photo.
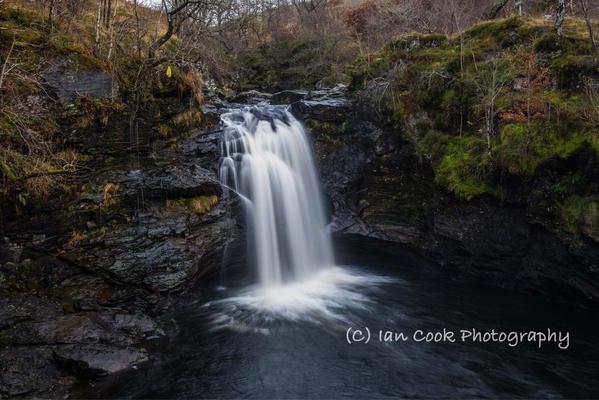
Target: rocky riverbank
(85, 279)
(86, 275)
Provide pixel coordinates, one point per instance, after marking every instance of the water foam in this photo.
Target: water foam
(267, 161)
(331, 294)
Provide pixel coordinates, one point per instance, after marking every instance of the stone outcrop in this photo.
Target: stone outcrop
(68, 79)
(84, 279)
(378, 187)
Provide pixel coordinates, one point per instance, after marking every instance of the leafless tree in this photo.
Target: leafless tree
(309, 6)
(585, 7)
(490, 80)
(177, 12)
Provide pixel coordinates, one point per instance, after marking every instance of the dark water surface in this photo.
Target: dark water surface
(229, 349)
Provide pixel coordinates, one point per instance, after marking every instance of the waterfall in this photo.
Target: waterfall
(267, 160)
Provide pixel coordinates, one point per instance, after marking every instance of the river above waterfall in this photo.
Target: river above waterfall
(258, 354)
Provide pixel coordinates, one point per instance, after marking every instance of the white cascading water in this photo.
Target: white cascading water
(268, 161)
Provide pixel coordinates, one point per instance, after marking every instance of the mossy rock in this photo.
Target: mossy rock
(505, 32)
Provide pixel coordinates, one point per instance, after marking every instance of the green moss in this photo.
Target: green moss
(500, 29)
(464, 168)
(549, 42)
(568, 184)
(65, 46)
(518, 152)
(413, 41)
(433, 146)
(461, 164)
(580, 215)
(24, 27)
(18, 16)
(569, 57)
(419, 47)
(7, 171)
(523, 148)
(96, 111)
(23, 36)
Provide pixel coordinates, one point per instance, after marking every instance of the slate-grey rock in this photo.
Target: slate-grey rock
(68, 79)
(164, 251)
(378, 187)
(251, 97)
(89, 361)
(30, 371)
(87, 292)
(64, 329)
(20, 307)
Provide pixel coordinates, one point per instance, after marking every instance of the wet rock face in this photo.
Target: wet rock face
(289, 96)
(45, 342)
(171, 181)
(83, 285)
(14, 310)
(327, 105)
(378, 187)
(30, 371)
(155, 239)
(164, 251)
(68, 79)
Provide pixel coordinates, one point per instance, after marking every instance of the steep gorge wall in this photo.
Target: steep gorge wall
(379, 187)
(86, 272)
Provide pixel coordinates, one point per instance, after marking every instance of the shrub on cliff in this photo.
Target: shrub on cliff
(492, 106)
(58, 75)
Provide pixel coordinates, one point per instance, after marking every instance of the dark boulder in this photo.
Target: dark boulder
(90, 361)
(327, 105)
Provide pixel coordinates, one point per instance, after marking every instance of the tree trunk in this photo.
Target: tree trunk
(162, 39)
(560, 15)
(172, 19)
(98, 27)
(108, 10)
(518, 7)
(586, 12)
